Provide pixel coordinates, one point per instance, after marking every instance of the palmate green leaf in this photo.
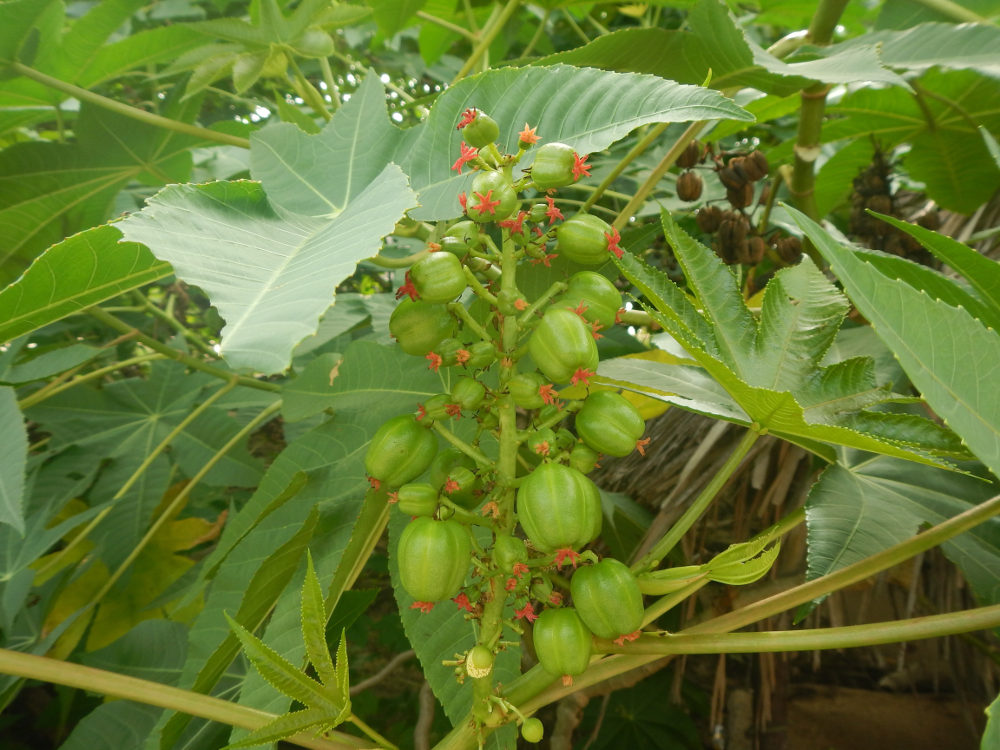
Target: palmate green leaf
(441, 634)
(285, 726)
(17, 18)
(49, 190)
(866, 504)
(314, 628)
(951, 357)
(714, 47)
(270, 274)
(771, 370)
(359, 382)
(92, 266)
(13, 459)
(285, 676)
(980, 272)
(393, 15)
(113, 726)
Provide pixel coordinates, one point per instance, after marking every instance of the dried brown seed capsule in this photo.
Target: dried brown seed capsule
(740, 197)
(756, 247)
(689, 186)
(690, 156)
(729, 177)
(930, 220)
(708, 218)
(881, 204)
(789, 249)
(755, 166)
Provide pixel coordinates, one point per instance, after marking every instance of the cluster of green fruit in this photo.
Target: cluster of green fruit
(522, 476)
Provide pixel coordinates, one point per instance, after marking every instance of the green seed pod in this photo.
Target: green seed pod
(524, 387)
(541, 442)
(562, 642)
(609, 423)
(599, 298)
(434, 557)
(468, 393)
(508, 550)
(532, 730)
(400, 450)
(420, 326)
(558, 507)
(493, 197)
(582, 239)
(583, 458)
(607, 598)
(482, 131)
(438, 277)
(553, 166)
(481, 354)
(417, 499)
(561, 344)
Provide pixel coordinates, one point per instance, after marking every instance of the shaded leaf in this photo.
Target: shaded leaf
(13, 458)
(285, 726)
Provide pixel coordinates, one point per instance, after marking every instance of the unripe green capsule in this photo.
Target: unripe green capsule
(482, 131)
(523, 388)
(558, 507)
(468, 393)
(583, 239)
(562, 344)
(400, 450)
(607, 598)
(508, 550)
(553, 166)
(493, 197)
(417, 499)
(438, 277)
(481, 354)
(420, 326)
(434, 557)
(562, 642)
(583, 458)
(479, 662)
(532, 730)
(598, 297)
(609, 423)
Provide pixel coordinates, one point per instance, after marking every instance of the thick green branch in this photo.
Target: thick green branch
(129, 111)
(156, 694)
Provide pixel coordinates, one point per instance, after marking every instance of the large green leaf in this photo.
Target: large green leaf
(773, 369)
(715, 48)
(17, 18)
(952, 358)
(49, 190)
(80, 271)
(856, 510)
(13, 458)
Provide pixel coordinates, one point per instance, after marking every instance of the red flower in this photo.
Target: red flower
(462, 199)
(462, 600)
(594, 328)
(451, 486)
(393, 497)
(619, 313)
(552, 212)
(491, 509)
(421, 412)
(510, 585)
(545, 260)
(520, 304)
(407, 289)
(582, 375)
(620, 640)
(527, 136)
(468, 154)
(462, 356)
(434, 359)
(486, 205)
(580, 309)
(542, 449)
(375, 483)
(453, 410)
(514, 225)
(555, 599)
(433, 247)
(564, 554)
(527, 612)
(580, 167)
(640, 445)
(424, 607)
(613, 239)
(548, 393)
(519, 569)
(467, 117)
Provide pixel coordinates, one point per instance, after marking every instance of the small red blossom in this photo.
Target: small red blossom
(620, 640)
(538, 231)
(580, 309)
(462, 199)
(510, 585)
(514, 225)
(580, 166)
(435, 360)
(467, 117)
(567, 680)
(520, 304)
(594, 328)
(613, 239)
(421, 412)
(582, 375)
(486, 205)
(433, 247)
(468, 154)
(527, 612)
(453, 410)
(527, 136)
(393, 497)
(545, 260)
(491, 509)
(424, 607)
(564, 554)
(640, 445)
(407, 288)
(451, 486)
(375, 483)
(552, 211)
(548, 393)
(519, 569)
(619, 313)
(462, 356)
(462, 600)
(542, 449)
(555, 599)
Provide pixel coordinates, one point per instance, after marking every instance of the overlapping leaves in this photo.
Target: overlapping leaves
(770, 369)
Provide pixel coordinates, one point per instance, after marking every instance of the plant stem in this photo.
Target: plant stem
(487, 35)
(657, 174)
(331, 84)
(54, 564)
(663, 547)
(375, 736)
(309, 92)
(452, 27)
(639, 148)
(43, 393)
(953, 11)
(171, 321)
(178, 502)
(471, 451)
(129, 111)
(539, 30)
(113, 322)
(116, 685)
(850, 636)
